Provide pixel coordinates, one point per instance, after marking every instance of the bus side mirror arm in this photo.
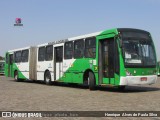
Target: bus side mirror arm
(120, 43)
(120, 40)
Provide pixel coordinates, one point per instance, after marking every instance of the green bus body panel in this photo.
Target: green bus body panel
(6, 66)
(20, 75)
(11, 69)
(108, 32)
(6, 69)
(75, 73)
(15, 68)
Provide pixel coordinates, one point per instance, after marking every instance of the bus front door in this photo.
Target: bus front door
(58, 62)
(10, 65)
(106, 61)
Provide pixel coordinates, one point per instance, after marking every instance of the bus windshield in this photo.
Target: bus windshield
(138, 52)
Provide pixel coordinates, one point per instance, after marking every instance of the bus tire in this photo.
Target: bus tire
(121, 88)
(92, 81)
(47, 78)
(16, 76)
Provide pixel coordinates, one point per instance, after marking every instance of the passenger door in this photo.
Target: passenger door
(106, 61)
(10, 66)
(58, 62)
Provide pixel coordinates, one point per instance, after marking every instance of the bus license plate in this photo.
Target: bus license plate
(143, 78)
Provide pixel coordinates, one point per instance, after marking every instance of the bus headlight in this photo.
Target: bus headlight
(128, 73)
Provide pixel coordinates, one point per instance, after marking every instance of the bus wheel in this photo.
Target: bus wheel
(121, 88)
(16, 76)
(91, 81)
(47, 78)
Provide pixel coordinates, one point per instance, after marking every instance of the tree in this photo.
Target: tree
(1, 58)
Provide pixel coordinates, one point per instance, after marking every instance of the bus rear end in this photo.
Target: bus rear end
(138, 58)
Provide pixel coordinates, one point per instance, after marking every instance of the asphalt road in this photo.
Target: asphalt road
(29, 96)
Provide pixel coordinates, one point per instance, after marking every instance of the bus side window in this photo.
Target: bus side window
(49, 53)
(78, 48)
(17, 56)
(90, 47)
(41, 54)
(68, 50)
(25, 55)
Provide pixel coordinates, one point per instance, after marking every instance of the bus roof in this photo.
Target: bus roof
(11, 51)
(70, 39)
(78, 37)
(59, 41)
(85, 36)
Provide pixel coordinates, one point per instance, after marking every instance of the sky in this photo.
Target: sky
(49, 20)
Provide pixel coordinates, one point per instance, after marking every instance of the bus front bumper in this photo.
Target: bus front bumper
(138, 80)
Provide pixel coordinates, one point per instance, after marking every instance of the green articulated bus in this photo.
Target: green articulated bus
(2, 67)
(115, 57)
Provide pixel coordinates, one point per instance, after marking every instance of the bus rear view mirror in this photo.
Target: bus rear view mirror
(120, 40)
(118, 37)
